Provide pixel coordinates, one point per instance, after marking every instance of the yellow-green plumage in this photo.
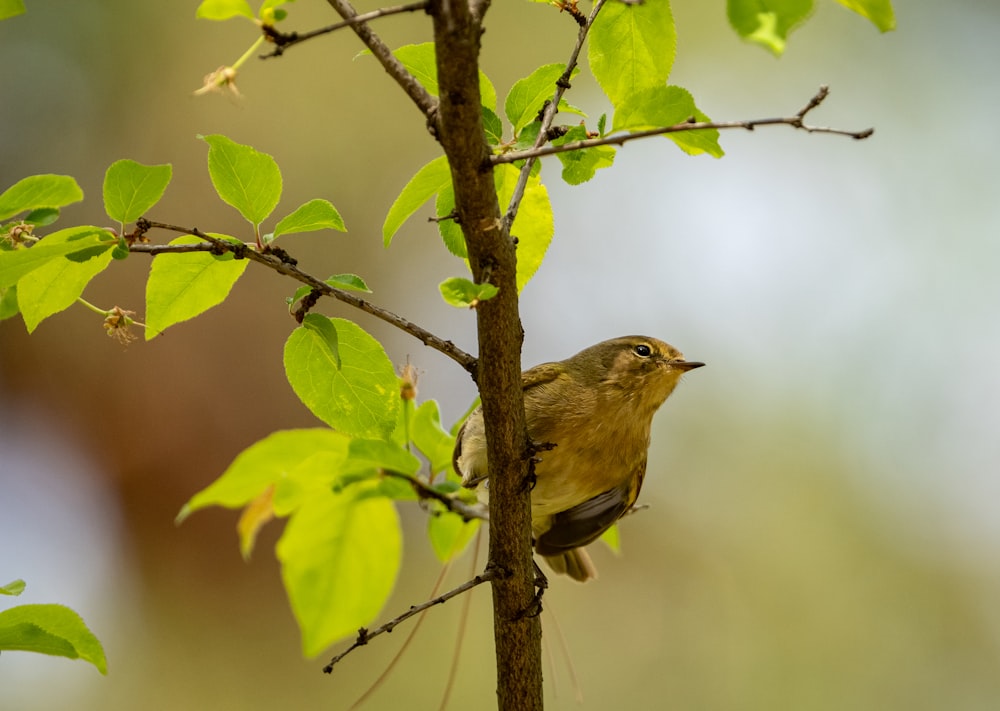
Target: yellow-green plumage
(596, 408)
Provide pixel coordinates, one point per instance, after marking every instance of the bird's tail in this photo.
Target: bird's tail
(575, 563)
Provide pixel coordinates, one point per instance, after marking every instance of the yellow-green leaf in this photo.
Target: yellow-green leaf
(340, 555)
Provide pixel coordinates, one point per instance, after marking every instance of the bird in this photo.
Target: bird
(589, 416)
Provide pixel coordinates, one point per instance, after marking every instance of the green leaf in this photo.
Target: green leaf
(580, 166)
(50, 629)
(57, 284)
(527, 97)
(11, 8)
(448, 228)
(348, 282)
(223, 9)
(340, 555)
(878, 11)
(431, 438)
(130, 188)
(533, 227)
(181, 286)
(8, 302)
(312, 216)
(357, 392)
(269, 12)
(375, 454)
(15, 587)
(419, 61)
(243, 177)
(492, 127)
(612, 539)
(428, 181)
(42, 216)
(450, 535)
(462, 293)
(39, 191)
(632, 47)
(668, 106)
(79, 242)
(269, 462)
(767, 22)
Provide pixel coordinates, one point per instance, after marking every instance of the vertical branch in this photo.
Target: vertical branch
(492, 258)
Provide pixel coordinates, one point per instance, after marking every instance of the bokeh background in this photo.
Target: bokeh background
(823, 529)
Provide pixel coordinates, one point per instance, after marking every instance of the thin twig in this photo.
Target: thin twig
(548, 116)
(413, 88)
(155, 249)
(795, 121)
(283, 40)
(454, 505)
(285, 265)
(365, 635)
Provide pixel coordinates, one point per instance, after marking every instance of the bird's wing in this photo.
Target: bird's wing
(540, 374)
(584, 522)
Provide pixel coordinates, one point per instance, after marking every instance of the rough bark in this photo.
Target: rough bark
(492, 258)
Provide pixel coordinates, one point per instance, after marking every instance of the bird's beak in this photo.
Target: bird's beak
(685, 364)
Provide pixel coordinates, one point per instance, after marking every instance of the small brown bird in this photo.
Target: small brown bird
(596, 408)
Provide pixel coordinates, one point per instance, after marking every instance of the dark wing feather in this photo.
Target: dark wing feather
(584, 522)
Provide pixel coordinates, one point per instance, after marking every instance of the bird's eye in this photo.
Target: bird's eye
(643, 351)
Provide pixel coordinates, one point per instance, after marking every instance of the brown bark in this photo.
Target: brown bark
(492, 258)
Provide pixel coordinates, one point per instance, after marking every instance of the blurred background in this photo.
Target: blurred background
(823, 529)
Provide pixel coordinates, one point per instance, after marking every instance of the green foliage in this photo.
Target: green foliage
(527, 96)
(770, 22)
(58, 283)
(39, 191)
(182, 286)
(223, 9)
(431, 438)
(534, 225)
(130, 188)
(347, 282)
(243, 177)
(450, 535)
(343, 376)
(580, 166)
(420, 61)
(880, 12)
(273, 462)
(632, 48)
(463, 293)
(14, 587)
(312, 216)
(340, 555)
(667, 106)
(428, 182)
(80, 243)
(48, 629)
(10, 8)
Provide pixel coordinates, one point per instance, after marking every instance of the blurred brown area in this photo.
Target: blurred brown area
(820, 534)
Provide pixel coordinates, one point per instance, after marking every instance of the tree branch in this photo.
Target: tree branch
(548, 116)
(284, 264)
(424, 491)
(283, 40)
(413, 88)
(795, 121)
(492, 258)
(364, 635)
